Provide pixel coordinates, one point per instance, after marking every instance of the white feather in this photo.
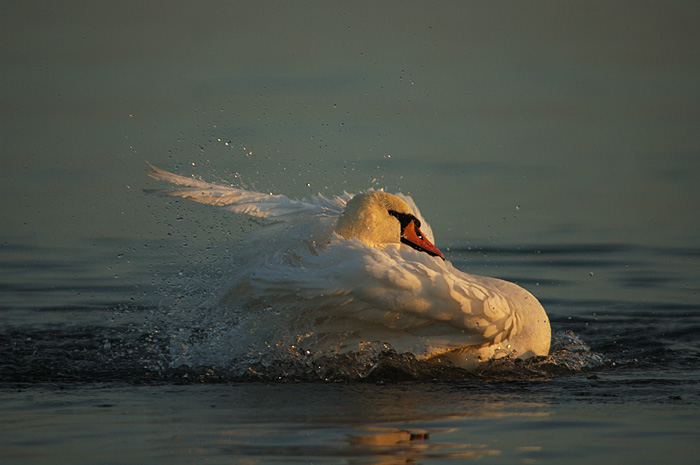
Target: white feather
(277, 207)
(347, 291)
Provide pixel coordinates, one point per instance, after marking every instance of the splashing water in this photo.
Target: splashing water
(193, 337)
(229, 344)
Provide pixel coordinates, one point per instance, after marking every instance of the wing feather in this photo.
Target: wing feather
(394, 288)
(258, 204)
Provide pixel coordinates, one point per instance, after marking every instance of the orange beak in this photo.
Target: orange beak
(412, 236)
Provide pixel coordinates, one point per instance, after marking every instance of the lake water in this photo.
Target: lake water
(553, 145)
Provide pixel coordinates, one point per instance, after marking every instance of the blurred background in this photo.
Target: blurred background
(508, 122)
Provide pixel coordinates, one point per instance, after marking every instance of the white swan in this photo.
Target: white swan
(362, 268)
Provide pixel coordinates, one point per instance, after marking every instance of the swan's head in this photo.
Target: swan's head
(378, 218)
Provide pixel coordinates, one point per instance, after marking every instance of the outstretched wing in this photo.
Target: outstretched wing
(277, 207)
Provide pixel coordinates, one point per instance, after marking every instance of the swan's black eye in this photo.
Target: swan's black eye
(405, 219)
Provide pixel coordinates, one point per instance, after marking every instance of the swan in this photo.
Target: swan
(360, 268)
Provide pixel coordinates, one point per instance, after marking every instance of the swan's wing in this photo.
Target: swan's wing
(278, 207)
(432, 296)
(399, 289)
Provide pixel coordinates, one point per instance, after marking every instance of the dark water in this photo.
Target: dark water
(553, 145)
(89, 365)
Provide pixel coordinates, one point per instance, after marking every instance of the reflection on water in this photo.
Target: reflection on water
(367, 423)
(376, 436)
(371, 445)
(333, 423)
